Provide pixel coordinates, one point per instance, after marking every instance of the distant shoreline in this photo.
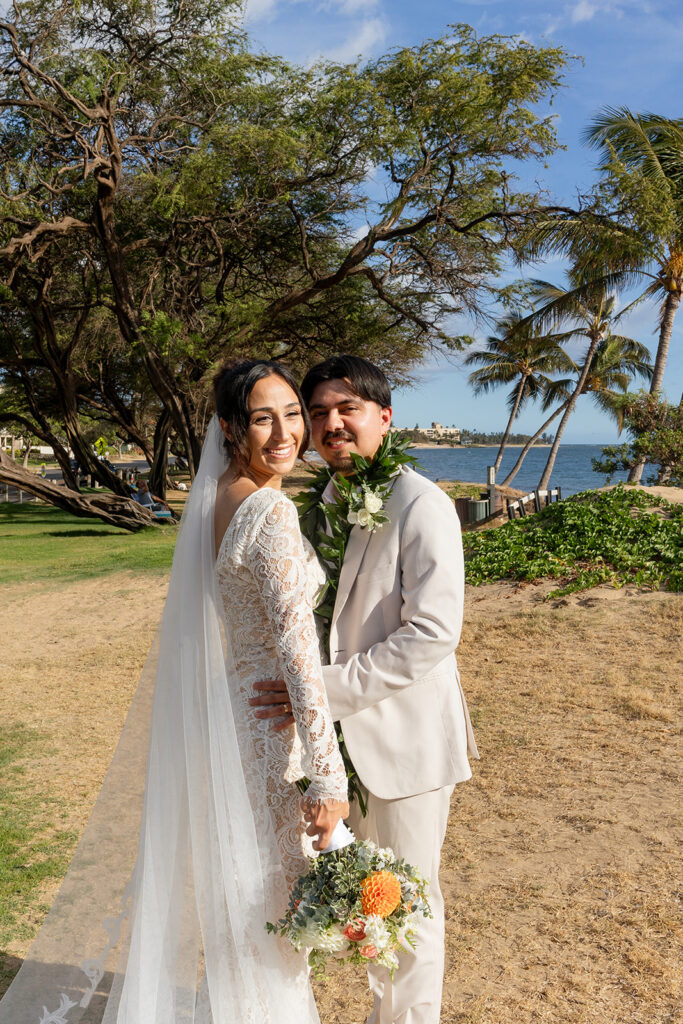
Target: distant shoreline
(459, 447)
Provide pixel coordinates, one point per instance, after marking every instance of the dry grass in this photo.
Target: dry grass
(559, 866)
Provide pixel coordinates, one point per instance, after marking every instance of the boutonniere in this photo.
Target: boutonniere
(365, 507)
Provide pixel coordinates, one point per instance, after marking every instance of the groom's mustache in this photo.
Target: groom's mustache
(338, 435)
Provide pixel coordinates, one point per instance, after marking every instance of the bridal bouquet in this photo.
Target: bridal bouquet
(359, 904)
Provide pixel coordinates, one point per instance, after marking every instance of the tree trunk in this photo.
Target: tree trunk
(671, 304)
(81, 449)
(127, 316)
(569, 409)
(112, 509)
(513, 414)
(27, 453)
(43, 431)
(159, 470)
(522, 455)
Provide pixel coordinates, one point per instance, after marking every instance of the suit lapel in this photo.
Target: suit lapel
(355, 549)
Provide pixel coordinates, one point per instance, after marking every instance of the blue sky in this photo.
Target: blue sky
(632, 54)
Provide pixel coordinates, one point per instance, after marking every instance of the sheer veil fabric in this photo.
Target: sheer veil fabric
(160, 919)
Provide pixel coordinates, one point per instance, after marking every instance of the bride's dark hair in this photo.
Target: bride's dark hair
(232, 386)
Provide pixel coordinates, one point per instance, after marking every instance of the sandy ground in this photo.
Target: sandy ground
(560, 862)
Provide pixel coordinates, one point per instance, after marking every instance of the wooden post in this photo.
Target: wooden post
(491, 487)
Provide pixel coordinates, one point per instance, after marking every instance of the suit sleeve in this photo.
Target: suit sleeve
(432, 595)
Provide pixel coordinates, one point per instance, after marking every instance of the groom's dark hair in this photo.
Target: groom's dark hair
(366, 379)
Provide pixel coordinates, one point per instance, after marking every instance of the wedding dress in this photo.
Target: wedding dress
(268, 576)
(197, 833)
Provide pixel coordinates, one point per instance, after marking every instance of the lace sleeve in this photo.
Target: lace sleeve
(275, 556)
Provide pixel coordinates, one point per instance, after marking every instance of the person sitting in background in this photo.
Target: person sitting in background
(144, 497)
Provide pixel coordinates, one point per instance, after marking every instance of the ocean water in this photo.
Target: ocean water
(572, 471)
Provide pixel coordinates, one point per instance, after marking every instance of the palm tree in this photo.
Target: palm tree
(614, 364)
(521, 356)
(589, 310)
(644, 171)
(651, 146)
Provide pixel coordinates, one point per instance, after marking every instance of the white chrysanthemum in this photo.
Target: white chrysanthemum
(376, 932)
(331, 940)
(373, 502)
(409, 928)
(308, 936)
(352, 517)
(388, 959)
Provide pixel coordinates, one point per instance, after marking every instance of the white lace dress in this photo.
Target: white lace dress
(268, 576)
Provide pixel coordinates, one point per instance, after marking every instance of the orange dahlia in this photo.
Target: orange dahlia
(381, 893)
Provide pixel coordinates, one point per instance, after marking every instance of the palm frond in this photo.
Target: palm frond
(633, 138)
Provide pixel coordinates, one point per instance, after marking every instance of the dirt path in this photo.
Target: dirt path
(559, 867)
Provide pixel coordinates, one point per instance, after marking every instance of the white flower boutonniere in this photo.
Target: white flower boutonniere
(365, 508)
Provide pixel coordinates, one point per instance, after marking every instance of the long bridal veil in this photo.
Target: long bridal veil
(160, 919)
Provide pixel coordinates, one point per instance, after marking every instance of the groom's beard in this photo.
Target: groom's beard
(339, 460)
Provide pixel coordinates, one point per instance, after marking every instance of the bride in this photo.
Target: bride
(199, 830)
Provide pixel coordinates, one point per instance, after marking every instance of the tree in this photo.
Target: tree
(588, 309)
(615, 362)
(645, 152)
(205, 214)
(520, 356)
(656, 429)
(110, 508)
(633, 226)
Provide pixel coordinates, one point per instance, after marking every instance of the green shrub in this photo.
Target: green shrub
(617, 537)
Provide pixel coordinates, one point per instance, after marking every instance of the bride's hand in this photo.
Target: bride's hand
(322, 817)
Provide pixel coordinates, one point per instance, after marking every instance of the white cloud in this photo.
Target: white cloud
(352, 6)
(258, 10)
(360, 43)
(583, 11)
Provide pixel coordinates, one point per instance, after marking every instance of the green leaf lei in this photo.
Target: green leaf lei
(360, 501)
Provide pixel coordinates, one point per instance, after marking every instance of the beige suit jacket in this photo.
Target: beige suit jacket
(393, 682)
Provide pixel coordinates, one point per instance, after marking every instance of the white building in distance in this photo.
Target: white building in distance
(438, 433)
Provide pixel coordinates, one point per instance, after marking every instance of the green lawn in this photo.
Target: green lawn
(33, 847)
(460, 489)
(42, 542)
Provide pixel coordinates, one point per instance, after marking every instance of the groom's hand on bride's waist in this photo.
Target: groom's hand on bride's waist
(273, 702)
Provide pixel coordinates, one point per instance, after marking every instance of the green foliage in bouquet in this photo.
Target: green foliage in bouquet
(361, 904)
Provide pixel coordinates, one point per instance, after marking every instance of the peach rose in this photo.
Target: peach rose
(355, 931)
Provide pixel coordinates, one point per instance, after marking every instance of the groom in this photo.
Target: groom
(393, 681)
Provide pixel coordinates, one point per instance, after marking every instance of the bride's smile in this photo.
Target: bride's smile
(274, 433)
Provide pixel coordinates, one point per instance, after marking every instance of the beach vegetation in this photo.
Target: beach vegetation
(618, 536)
(656, 430)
